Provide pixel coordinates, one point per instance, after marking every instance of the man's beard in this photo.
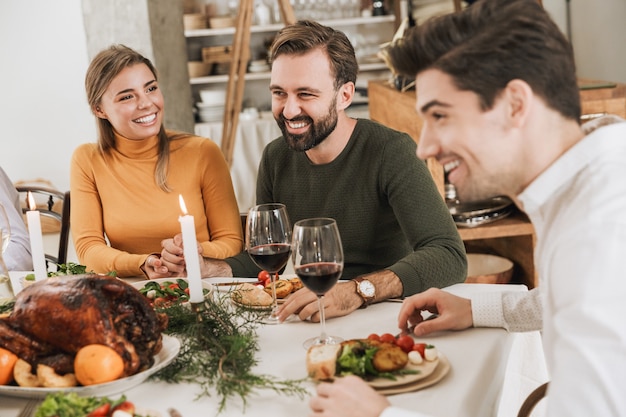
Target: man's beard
(317, 133)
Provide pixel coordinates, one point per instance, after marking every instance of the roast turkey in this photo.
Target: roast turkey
(54, 318)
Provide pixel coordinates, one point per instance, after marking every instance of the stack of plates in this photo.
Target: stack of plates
(210, 112)
(476, 213)
(259, 65)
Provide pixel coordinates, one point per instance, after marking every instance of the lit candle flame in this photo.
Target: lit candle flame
(32, 205)
(183, 207)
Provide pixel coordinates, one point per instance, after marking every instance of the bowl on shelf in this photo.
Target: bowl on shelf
(488, 269)
(208, 113)
(213, 96)
(198, 69)
(193, 21)
(218, 22)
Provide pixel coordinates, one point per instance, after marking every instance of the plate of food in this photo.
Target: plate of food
(383, 364)
(120, 330)
(163, 292)
(168, 352)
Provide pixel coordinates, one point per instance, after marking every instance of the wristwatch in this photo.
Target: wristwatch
(366, 290)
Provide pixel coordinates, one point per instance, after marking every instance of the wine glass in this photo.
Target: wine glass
(268, 242)
(318, 262)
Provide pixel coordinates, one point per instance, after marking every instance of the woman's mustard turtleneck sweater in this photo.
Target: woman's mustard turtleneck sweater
(115, 197)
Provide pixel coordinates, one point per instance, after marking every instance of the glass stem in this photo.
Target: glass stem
(273, 278)
(323, 336)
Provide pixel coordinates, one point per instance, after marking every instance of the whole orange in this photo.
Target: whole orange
(7, 363)
(97, 364)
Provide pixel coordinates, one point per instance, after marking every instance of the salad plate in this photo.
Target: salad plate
(424, 370)
(439, 371)
(168, 353)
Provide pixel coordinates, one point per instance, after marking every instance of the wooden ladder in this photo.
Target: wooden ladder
(236, 77)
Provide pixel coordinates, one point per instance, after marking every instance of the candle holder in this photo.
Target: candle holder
(198, 309)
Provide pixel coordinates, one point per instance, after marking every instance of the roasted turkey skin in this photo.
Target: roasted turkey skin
(60, 315)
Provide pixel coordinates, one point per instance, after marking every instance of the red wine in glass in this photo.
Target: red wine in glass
(271, 257)
(319, 277)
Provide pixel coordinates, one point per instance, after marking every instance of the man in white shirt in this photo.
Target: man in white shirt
(498, 95)
(17, 255)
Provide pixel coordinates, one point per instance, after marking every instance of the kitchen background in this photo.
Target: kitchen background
(44, 56)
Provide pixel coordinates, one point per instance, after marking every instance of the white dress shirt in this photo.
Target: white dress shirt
(17, 256)
(578, 209)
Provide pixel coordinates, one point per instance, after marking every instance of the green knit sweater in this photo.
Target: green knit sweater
(389, 212)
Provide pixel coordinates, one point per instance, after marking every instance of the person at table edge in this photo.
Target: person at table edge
(17, 256)
(396, 230)
(125, 188)
(501, 108)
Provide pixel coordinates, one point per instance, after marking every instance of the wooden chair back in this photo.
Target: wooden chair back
(55, 209)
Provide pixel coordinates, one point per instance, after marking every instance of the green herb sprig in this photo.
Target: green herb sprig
(218, 351)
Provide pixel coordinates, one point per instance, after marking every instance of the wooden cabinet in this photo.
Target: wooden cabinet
(600, 97)
(512, 237)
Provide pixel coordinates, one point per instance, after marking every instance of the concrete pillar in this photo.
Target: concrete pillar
(154, 28)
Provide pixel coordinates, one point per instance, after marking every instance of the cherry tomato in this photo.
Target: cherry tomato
(419, 347)
(173, 286)
(186, 290)
(126, 406)
(160, 301)
(264, 276)
(101, 411)
(405, 343)
(373, 336)
(387, 338)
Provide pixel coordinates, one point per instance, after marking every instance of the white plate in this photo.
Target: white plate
(171, 346)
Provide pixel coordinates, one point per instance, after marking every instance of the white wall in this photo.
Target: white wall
(43, 59)
(43, 109)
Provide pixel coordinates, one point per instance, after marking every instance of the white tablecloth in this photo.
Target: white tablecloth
(491, 373)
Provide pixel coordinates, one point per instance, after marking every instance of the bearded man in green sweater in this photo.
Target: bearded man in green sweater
(397, 233)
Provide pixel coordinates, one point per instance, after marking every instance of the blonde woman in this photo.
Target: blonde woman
(125, 188)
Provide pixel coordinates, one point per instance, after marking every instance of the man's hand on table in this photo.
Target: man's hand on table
(454, 313)
(347, 396)
(341, 300)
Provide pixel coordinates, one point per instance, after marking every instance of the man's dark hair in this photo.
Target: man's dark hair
(491, 43)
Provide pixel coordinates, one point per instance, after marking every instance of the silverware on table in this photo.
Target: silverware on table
(30, 409)
(233, 283)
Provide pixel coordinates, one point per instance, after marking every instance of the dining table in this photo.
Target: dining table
(490, 372)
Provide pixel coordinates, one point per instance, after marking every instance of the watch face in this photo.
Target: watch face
(366, 288)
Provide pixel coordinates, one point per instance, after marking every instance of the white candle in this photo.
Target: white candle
(36, 240)
(190, 251)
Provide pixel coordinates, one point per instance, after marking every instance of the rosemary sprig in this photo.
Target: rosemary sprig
(218, 348)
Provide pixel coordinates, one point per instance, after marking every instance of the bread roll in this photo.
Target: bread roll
(251, 295)
(321, 361)
(296, 284)
(283, 288)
